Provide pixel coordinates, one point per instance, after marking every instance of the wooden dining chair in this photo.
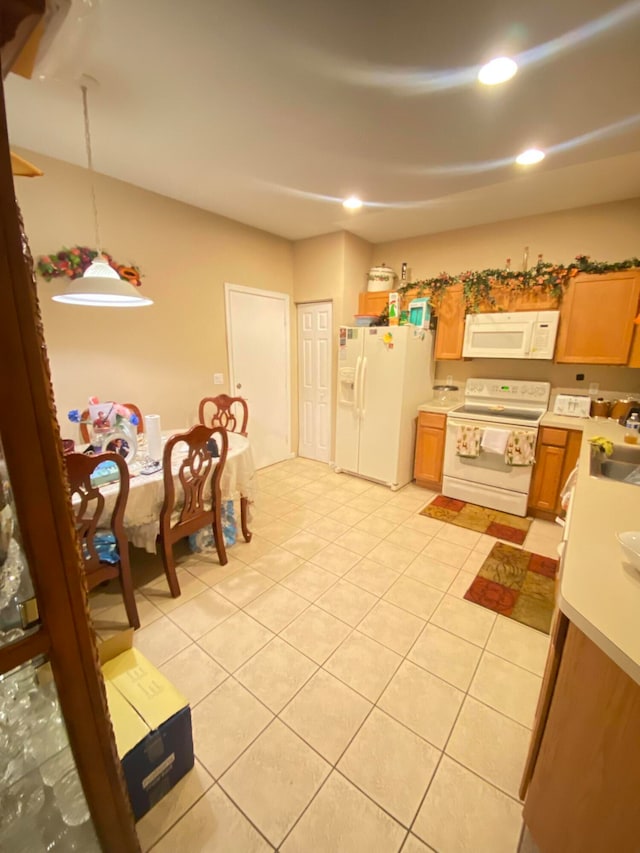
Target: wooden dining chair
(232, 413)
(105, 551)
(196, 510)
(84, 427)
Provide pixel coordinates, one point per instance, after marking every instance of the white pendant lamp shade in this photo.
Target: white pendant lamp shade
(101, 286)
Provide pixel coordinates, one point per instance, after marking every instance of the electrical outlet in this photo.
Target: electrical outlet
(218, 379)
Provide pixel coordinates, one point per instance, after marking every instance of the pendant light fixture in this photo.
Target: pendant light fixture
(100, 285)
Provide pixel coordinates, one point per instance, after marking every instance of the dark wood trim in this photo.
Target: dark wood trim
(18, 20)
(32, 445)
(23, 650)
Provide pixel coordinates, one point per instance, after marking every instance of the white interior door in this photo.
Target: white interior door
(259, 367)
(314, 380)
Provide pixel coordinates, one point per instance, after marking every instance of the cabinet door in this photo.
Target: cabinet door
(450, 333)
(557, 639)
(373, 303)
(583, 796)
(596, 320)
(571, 453)
(547, 477)
(429, 455)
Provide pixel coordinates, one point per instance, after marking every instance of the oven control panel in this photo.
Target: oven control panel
(508, 391)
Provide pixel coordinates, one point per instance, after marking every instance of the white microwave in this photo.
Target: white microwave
(521, 334)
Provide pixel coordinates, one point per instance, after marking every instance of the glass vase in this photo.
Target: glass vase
(123, 439)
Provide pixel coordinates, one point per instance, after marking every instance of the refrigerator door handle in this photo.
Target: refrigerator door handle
(363, 376)
(356, 387)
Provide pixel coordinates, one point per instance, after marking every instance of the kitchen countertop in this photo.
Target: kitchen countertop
(548, 419)
(599, 592)
(439, 408)
(565, 422)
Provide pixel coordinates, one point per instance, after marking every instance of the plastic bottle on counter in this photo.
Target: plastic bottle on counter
(632, 428)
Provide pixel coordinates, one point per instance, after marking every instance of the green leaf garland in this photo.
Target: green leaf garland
(477, 285)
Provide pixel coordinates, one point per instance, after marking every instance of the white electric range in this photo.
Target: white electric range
(487, 480)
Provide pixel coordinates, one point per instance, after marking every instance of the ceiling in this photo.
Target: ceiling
(272, 113)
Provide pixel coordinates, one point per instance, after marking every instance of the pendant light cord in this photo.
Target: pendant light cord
(87, 140)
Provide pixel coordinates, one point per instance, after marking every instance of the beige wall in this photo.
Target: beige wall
(162, 357)
(606, 232)
(332, 267)
(358, 256)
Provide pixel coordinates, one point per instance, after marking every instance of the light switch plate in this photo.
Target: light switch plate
(218, 379)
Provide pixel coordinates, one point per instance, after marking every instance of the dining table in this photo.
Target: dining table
(146, 491)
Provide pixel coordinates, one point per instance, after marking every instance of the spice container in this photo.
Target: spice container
(599, 408)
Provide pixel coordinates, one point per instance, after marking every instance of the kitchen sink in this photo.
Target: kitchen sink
(623, 464)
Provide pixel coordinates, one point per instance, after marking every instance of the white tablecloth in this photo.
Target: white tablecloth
(146, 491)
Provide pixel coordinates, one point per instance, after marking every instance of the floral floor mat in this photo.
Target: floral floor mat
(517, 584)
(502, 525)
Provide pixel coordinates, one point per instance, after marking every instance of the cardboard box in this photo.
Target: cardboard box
(151, 721)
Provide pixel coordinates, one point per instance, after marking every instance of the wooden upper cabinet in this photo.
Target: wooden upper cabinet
(450, 332)
(596, 318)
(373, 303)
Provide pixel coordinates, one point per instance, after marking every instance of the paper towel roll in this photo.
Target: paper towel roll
(154, 436)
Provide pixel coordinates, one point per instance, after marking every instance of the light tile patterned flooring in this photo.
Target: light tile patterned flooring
(345, 698)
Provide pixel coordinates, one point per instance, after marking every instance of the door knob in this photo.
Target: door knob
(239, 385)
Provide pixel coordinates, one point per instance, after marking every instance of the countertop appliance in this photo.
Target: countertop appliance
(521, 334)
(384, 374)
(487, 479)
(572, 405)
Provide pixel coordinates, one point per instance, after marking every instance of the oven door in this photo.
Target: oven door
(488, 469)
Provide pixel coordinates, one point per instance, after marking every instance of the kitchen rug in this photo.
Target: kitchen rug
(517, 584)
(502, 525)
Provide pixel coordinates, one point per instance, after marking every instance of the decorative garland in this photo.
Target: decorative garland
(543, 277)
(72, 263)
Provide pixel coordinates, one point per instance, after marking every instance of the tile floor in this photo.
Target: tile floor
(345, 698)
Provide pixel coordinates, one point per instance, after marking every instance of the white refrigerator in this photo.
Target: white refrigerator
(384, 374)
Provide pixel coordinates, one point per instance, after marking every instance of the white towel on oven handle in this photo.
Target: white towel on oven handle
(495, 440)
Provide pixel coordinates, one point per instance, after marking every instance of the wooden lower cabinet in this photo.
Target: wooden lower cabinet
(556, 456)
(429, 449)
(585, 779)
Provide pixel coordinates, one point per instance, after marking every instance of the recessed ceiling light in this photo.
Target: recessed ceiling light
(497, 71)
(352, 203)
(530, 156)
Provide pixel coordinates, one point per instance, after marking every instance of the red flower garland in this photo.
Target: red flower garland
(72, 263)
